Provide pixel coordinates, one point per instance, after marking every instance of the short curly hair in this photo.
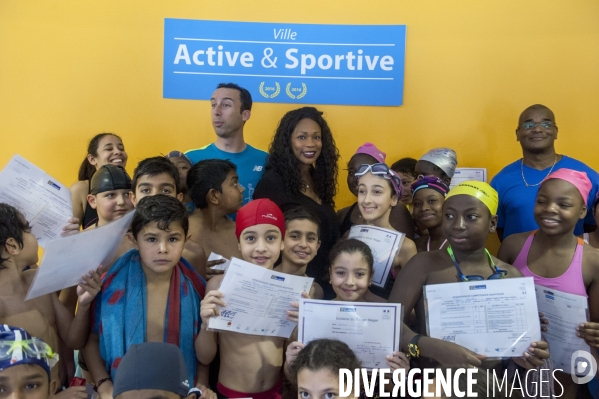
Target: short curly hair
(283, 162)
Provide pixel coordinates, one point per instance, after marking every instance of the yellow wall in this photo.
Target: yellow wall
(72, 68)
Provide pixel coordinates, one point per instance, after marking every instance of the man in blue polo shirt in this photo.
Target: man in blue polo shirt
(231, 108)
(518, 183)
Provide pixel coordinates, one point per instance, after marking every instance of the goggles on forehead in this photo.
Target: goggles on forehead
(27, 348)
(381, 169)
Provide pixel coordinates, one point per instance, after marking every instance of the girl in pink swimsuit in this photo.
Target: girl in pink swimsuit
(552, 255)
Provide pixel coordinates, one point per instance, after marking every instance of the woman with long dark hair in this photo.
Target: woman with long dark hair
(302, 170)
(103, 148)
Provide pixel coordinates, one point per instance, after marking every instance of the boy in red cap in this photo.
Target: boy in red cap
(554, 256)
(250, 365)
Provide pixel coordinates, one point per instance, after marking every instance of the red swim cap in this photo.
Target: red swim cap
(260, 211)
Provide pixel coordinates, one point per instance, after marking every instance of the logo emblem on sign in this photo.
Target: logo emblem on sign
(302, 93)
(277, 90)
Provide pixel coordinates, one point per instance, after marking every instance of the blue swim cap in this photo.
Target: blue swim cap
(18, 347)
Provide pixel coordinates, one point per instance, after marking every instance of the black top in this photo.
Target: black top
(347, 224)
(271, 186)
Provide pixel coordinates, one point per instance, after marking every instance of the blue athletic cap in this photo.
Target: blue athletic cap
(18, 347)
(152, 365)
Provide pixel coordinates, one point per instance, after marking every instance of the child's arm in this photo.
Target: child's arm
(206, 342)
(97, 366)
(510, 247)
(316, 292)
(406, 252)
(194, 254)
(79, 198)
(589, 331)
(74, 330)
(293, 349)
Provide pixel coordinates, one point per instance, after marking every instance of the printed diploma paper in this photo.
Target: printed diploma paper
(384, 245)
(497, 318)
(564, 312)
(371, 330)
(257, 300)
(44, 201)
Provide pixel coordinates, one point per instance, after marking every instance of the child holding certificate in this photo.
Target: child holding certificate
(301, 243)
(428, 196)
(250, 365)
(469, 216)
(351, 272)
(553, 255)
(379, 190)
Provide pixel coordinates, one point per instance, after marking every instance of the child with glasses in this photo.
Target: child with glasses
(379, 190)
(554, 256)
(469, 215)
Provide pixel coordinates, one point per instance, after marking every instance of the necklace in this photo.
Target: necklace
(533, 185)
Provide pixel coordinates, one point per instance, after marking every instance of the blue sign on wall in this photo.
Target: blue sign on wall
(286, 63)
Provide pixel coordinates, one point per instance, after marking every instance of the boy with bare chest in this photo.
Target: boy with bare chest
(215, 190)
(250, 366)
(44, 317)
(149, 294)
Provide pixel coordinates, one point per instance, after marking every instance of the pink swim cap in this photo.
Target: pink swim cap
(370, 149)
(578, 179)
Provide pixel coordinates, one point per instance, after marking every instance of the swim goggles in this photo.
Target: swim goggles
(27, 351)
(381, 169)
(498, 273)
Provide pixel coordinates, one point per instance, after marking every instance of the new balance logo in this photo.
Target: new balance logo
(257, 168)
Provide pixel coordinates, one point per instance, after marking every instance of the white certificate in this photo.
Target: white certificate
(66, 259)
(371, 330)
(497, 318)
(465, 174)
(565, 312)
(257, 300)
(384, 245)
(43, 200)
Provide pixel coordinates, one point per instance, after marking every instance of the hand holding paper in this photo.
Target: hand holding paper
(88, 288)
(256, 300)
